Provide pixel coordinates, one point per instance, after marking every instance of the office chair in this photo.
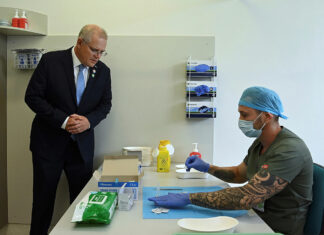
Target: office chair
(315, 216)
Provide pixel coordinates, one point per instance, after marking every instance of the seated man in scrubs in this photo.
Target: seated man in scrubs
(278, 168)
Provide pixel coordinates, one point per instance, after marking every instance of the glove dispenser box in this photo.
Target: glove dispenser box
(201, 88)
(201, 68)
(198, 109)
(27, 58)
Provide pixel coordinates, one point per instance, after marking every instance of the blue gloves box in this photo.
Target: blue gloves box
(201, 68)
(201, 88)
(200, 109)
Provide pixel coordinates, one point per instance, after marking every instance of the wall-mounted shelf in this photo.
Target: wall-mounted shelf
(13, 31)
(37, 23)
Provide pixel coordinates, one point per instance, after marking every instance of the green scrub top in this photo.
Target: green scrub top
(288, 158)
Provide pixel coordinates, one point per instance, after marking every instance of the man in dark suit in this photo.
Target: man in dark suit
(70, 92)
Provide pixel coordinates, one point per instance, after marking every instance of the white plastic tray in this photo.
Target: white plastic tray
(181, 166)
(192, 174)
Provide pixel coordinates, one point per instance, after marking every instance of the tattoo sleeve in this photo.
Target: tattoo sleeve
(262, 186)
(223, 174)
(234, 174)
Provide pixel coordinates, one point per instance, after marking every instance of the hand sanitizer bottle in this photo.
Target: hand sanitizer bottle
(15, 20)
(195, 150)
(23, 22)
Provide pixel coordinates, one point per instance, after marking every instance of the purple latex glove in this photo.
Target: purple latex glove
(172, 200)
(196, 163)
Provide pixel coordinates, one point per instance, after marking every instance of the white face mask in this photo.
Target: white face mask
(248, 129)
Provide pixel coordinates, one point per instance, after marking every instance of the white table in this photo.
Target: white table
(132, 222)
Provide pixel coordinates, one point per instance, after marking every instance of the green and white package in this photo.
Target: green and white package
(95, 208)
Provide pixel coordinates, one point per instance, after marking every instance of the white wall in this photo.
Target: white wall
(273, 43)
(278, 44)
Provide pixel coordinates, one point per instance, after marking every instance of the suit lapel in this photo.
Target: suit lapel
(69, 70)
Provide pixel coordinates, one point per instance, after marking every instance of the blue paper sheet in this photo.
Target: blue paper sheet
(190, 211)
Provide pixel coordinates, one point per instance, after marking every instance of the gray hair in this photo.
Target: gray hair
(88, 30)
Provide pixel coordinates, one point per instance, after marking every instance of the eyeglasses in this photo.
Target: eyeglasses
(96, 51)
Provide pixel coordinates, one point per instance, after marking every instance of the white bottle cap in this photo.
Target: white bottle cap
(16, 15)
(195, 148)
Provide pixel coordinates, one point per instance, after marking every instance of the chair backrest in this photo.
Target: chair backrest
(315, 216)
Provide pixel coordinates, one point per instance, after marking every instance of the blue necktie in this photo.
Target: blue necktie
(80, 83)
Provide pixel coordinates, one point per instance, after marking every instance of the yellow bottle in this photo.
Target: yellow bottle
(163, 160)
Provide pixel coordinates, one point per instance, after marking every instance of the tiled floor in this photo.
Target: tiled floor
(15, 229)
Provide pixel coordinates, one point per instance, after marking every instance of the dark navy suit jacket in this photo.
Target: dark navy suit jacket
(51, 94)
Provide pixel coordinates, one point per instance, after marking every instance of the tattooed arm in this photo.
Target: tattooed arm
(234, 174)
(262, 186)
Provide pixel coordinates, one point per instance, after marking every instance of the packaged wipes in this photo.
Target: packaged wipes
(95, 208)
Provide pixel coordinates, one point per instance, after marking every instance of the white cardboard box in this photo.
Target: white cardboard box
(118, 170)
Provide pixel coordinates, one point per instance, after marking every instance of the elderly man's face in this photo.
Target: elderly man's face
(90, 53)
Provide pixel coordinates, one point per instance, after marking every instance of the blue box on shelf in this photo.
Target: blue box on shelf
(201, 88)
(201, 68)
(199, 109)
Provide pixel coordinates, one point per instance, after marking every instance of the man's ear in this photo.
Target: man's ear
(269, 116)
(79, 42)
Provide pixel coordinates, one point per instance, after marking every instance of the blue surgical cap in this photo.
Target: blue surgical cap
(262, 99)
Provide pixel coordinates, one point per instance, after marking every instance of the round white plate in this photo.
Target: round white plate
(214, 224)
